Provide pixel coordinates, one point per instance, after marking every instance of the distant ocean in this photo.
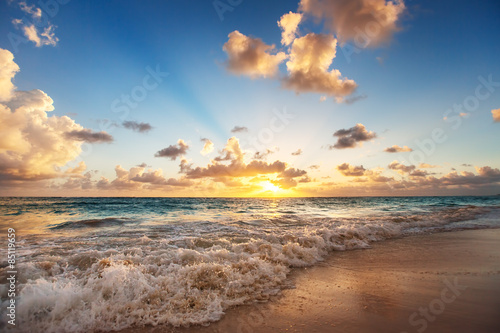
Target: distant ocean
(87, 264)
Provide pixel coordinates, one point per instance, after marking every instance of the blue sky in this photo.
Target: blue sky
(432, 61)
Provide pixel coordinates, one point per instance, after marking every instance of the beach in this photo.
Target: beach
(254, 265)
(454, 276)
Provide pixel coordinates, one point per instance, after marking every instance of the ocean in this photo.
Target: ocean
(100, 264)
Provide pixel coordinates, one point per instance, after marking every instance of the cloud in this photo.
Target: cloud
(230, 164)
(231, 152)
(47, 37)
(401, 168)
(30, 30)
(362, 175)
(137, 178)
(173, 151)
(368, 23)
(262, 155)
(308, 67)
(236, 169)
(87, 135)
(208, 146)
(461, 114)
(8, 69)
(496, 115)
(397, 149)
(33, 145)
(251, 56)
(289, 24)
(297, 152)
(137, 127)
(428, 166)
(350, 138)
(239, 129)
(35, 12)
(350, 170)
(486, 176)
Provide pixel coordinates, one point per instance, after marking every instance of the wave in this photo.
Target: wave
(191, 273)
(93, 223)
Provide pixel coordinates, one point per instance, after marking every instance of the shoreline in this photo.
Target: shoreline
(448, 281)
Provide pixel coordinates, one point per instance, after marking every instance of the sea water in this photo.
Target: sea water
(88, 264)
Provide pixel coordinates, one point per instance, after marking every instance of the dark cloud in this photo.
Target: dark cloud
(350, 170)
(397, 149)
(137, 127)
(239, 129)
(349, 138)
(89, 136)
(173, 151)
(262, 155)
(297, 152)
(401, 168)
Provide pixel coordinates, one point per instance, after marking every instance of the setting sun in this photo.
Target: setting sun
(270, 187)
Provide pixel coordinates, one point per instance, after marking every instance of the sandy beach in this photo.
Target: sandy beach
(446, 282)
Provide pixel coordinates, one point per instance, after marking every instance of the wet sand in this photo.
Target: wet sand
(446, 282)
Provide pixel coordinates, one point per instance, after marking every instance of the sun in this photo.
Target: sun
(268, 186)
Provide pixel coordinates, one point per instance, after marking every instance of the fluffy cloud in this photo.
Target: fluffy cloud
(289, 24)
(174, 151)
(362, 175)
(397, 149)
(8, 69)
(298, 152)
(138, 178)
(350, 170)
(486, 176)
(137, 127)
(350, 138)
(33, 145)
(87, 135)
(401, 168)
(251, 56)
(496, 115)
(230, 165)
(366, 22)
(411, 170)
(308, 67)
(208, 147)
(239, 129)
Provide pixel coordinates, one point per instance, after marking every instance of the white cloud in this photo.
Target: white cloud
(208, 147)
(308, 67)
(8, 69)
(33, 145)
(289, 23)
(251, 56)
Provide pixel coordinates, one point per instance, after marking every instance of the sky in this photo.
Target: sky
(249, 98)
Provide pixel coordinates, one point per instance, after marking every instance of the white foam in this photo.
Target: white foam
(107, 283)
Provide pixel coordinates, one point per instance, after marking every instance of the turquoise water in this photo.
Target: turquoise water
(110, 263)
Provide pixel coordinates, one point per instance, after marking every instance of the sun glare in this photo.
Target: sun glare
(268, 186)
